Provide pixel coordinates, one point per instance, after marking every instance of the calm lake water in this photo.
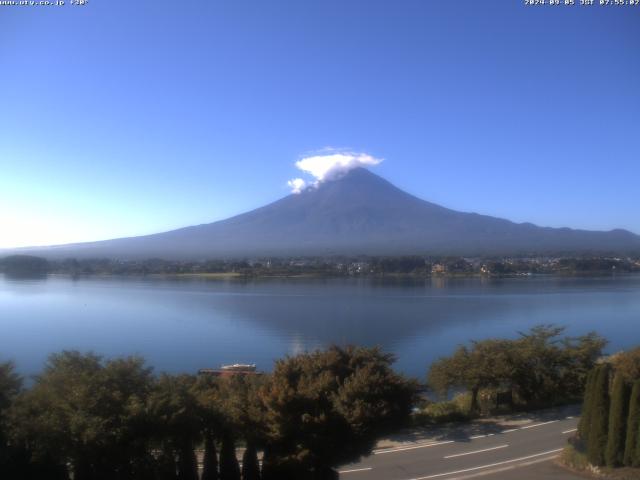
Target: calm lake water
(184, 325)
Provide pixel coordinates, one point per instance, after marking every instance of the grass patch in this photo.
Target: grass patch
(575, 460)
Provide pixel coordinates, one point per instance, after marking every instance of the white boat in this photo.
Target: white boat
(239, 367)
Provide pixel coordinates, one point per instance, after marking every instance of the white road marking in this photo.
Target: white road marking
(503, 468)
(510, 430)
(572, 430)
(489, 465)
(356, 470)
(539, 424)
(477, 451)
(413, 447)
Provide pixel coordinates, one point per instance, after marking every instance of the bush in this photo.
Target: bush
(455, 410)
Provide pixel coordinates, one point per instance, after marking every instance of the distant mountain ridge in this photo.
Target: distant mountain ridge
(359, 213)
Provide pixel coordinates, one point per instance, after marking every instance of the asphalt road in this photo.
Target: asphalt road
(522, 451)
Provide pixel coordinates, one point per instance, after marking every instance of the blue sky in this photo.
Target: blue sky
(123, 118)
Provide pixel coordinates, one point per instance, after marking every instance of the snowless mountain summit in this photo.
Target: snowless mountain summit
(358, 213)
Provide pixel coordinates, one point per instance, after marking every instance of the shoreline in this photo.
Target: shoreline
(311, 275)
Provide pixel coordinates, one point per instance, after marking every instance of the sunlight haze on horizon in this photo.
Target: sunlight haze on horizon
(124, 119)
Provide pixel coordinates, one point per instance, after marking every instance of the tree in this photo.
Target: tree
(229, 468)
(539, 366)
(24, 265)
(10, 386)
(327, 407)
(209, 398)
(187, 462)
(580, 356)
(210, 461)
(632, 442)
(250, 465)
(488, 364)
(87, 412)
(269, 469)
(597, 439)
(586, 416)
(243, 414)
(177, 417)
(627, 364)
(618, 414)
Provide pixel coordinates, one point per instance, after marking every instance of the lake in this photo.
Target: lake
(181, 325)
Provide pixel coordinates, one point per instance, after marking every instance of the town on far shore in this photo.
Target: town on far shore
(337, 266)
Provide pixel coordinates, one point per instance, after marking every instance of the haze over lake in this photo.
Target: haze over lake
(186, 324)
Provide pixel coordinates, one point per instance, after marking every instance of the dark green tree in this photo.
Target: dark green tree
(210, 461)
(580, 355)
(175, 410)
(12, 461)
(487, 364)
(618, 414)
(229, 467)
(187, 462)
(243, 413)
(250, 465)
(24, 265)
(166, 468)
(586, 414)
(632, 442)
(210, 401)
(540, 367)
(87, 412)
(269, 469)
(597, 439)
(328, 407)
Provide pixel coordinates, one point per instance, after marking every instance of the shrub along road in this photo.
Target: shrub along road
(491, 449)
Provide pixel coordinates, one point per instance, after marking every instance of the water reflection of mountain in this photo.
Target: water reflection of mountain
(391, 313)
(357, 312)
(183, 325)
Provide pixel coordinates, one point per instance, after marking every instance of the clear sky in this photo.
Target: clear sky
(129, 117)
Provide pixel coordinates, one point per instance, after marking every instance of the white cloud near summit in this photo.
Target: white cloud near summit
(297, 185)
(329, 167)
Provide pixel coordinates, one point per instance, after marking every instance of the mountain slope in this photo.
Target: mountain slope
(360, 213)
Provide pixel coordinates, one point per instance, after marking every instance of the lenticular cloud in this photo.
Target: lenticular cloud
(329, 167)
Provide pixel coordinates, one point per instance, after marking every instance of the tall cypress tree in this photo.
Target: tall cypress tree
(166, 466)
(268, 471)
(187, 463)
(636, 456)
(250, 465)
(229, 468)
(598, 428)
(618, 415)
(210, 462)
(632, 441)
(586, 414)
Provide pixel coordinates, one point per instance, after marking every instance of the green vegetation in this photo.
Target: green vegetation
(631, 456)
(609, 430)
(618, 414)
(538, 369)
(598, 420)
(88, 418)
(327, 408)
(433, 413)
(24, 265)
